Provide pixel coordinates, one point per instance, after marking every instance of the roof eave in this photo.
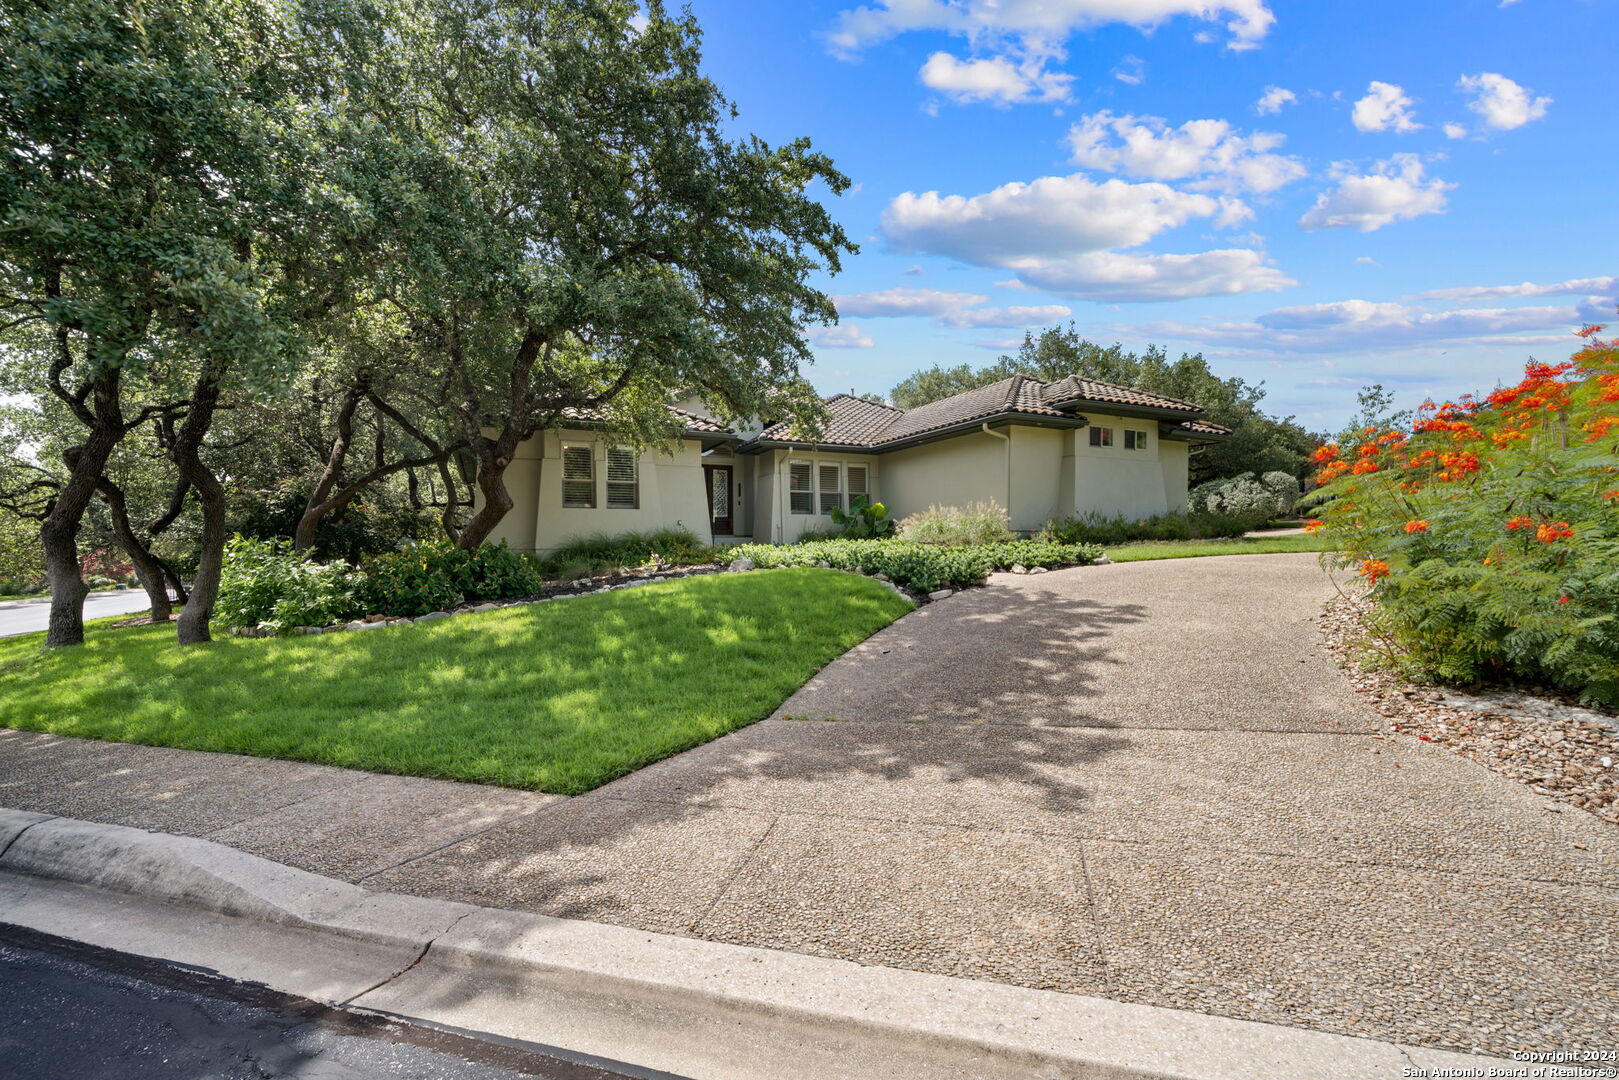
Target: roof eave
(1113, 408)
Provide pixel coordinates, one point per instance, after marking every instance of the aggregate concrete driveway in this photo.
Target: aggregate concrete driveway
(1142, 781)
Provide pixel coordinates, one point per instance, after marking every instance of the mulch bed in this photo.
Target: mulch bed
(1539, 738)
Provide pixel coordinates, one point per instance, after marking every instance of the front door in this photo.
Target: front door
(720, 498)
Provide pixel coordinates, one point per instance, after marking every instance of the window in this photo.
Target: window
(1135, 440)
(623, 478)
(1101, 436)
(859, 483)
(831, 487)
(800, 497)
(579, 477)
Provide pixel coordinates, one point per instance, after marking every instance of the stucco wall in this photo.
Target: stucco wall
(951, 472)
(1037, 459)
(774, 520)
(1175, 457)
(671, 493)
(1134, 483)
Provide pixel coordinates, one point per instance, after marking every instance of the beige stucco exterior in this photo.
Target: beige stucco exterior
(1037, 473)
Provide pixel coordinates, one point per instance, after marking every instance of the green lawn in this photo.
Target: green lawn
(558, 697)
(1185, 549)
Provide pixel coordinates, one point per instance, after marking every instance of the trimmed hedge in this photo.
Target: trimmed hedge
(922, 567)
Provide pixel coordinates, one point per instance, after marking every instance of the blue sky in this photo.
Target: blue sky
(1315, 194)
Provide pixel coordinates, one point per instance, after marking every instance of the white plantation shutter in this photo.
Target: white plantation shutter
(831, 487)
(799, 494)
(859, 482)
(623, 479)
(578, 477)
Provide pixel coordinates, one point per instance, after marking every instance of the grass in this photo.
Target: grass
(558, 697)
(1184, 549)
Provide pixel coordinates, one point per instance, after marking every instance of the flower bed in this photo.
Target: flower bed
(919, 567)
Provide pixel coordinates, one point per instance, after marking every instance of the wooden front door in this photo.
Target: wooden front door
(721, 496)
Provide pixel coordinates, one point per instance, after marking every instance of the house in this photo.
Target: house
(1039, 449)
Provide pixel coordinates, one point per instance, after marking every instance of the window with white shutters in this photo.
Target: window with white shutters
(800, 495)
(831, 487)
(859, 483)
(623, 478)
(578, 477)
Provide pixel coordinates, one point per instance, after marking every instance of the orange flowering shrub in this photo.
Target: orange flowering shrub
(1488, 529)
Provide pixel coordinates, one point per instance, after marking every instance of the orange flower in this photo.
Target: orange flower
(1521, 522)
(1316, 524)
(1324, 454)
(1614, 494)
(1374, 570)
(1416, 526)
(1553, 531)
(1587, 331)
(1364, 466)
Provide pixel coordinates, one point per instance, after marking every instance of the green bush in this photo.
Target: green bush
(433, 575)
(265, 583)
(975, 523)
(918, 566)
(601, 553)
(864, 520)
(1246, 497)
(1103, 529)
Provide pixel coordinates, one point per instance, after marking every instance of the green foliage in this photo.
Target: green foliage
(923, 567)
(1246, 497)
(975, 523)
(1094, 528)
(381, 520)
(434, 575)
(1488, 531)
(265, 583)
(673, 545)
(1258, 442)
(864, 520)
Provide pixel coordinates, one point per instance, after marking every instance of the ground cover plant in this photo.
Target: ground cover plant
(1488, 529)
(559, 696)
(673, 545)
(1116, 529)
(923, 567)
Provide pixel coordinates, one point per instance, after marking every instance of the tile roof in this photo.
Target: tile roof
(855, 421)
(1204, 427)
(693, 421)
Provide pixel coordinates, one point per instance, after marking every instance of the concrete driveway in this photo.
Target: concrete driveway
(27, 616)
(1142, 781)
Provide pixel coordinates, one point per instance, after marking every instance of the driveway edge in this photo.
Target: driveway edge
(678, 1005)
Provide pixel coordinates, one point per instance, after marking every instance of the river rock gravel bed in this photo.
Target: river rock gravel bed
(1550, 744)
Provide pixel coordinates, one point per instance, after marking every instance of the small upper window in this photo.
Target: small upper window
(1101, 436)
(800, 496)
(579, 477)
(1135, 440)
(623, 478)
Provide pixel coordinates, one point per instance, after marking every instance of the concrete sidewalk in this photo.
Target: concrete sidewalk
(1143, 782)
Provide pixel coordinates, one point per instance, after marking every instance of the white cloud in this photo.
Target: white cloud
(1572, 287)
(998, 80)
(1365, 260)
(842, 336)
(1146, 146)
(1043, 21)
(1132, 71)
(1354, 325)
(892, 303)
(1011, 318)
(1058, 234)
(1272, 100)
(1396, 190)
(1385, 106)
(1455, 131)
(1502, 103)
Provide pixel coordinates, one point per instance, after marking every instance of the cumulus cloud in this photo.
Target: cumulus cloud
(1351, 325)
(1455, 131)
(1246, 21)
(1147, 147)
(1500, 102)
(1395, 190)
(1272, 100)
(951, 309)
(1059, 233)
(998, 80)
(1385, 107)
(842, 336)
(1572, 287)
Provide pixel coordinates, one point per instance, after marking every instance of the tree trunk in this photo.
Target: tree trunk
(186, 453)
(59, 531)
(303, 536)
(497, 501)
(59, 535)
(147, 566)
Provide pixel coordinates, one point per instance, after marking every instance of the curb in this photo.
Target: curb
(680, 1005)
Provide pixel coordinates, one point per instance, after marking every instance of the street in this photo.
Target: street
(80, 1013)
(26, 616)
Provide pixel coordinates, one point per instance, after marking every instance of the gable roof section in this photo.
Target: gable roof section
(856, 423)
(695, 423)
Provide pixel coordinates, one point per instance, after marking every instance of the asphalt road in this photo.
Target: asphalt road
(25, 616)
(79, 1013)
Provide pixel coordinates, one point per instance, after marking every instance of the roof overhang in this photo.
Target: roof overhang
(1146, 412)
(960, 427)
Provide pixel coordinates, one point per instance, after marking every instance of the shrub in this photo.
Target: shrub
(975, 523)
(1285, 487)
(1488, 531)
(923, 567)
(1096, 528)
(863, 520)
(433, 575)
(601, 553)
(265, 583)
